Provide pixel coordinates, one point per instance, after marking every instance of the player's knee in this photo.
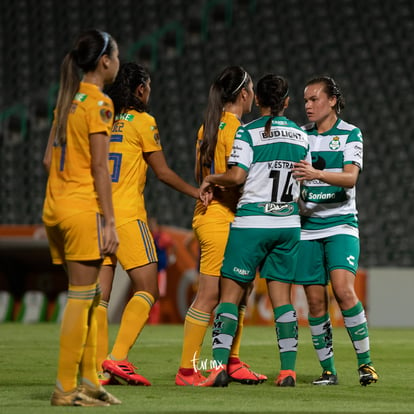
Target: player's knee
(317, 308)
(346, 298)
(205, 303)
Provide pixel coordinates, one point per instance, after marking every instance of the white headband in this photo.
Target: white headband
(242, 83)
(106, 41)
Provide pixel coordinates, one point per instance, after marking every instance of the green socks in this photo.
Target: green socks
(224, 329)
(357, 327)
(321, 330)
(287, 335)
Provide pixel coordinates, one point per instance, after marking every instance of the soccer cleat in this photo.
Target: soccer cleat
(193, 379)
(75, 398)
(327, 378)
(286, 378)
(241, 372)
(217, 378)
(124, 372)
(367, 374)
(100, 394)
(105, 378)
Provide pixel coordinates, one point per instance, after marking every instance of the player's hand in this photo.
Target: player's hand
(110, 240)
(206, 192)
(303, 170)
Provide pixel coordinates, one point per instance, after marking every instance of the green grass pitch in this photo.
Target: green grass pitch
(29, 358)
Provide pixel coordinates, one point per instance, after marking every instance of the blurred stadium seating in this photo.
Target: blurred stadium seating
(367, 46)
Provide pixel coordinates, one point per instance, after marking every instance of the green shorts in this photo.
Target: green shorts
(272, 251)
(319, 257)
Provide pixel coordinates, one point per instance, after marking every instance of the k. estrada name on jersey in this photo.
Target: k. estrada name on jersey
(284, 133)
(279, 164)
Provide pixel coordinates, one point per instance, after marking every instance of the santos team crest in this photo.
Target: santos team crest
(335, 143)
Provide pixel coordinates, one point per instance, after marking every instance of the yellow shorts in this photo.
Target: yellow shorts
(136, 246)
(212, 231)
(77, 238)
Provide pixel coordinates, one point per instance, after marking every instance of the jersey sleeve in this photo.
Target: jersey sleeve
(308, 153)
(353, 153)
(230, 132)
(242, 151)
(150, 135)
(101, 116)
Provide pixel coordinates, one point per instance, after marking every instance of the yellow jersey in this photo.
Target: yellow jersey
(133, 134)
(224, 199)
(70, 186)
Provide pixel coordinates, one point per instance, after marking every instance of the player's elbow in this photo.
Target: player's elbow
(46, 165)
(238, 176)
(240, 180)
(99, 168)
(349, 185)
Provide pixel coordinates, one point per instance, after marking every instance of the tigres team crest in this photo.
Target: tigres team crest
(106, 115)
(154, 128)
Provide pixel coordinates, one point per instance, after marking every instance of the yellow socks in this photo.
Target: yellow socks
(74, 333)
(88, 372)
(235, 347)
(133, 320)
(101, 313)
(195, 327)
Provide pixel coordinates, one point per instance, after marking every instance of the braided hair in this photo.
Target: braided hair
(122, 90)
(271, 92)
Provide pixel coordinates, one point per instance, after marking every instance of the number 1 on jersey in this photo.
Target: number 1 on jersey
(278, 182)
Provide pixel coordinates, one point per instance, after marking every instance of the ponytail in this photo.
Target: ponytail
(211, 125)
(271, 92)
(225, 89)
(90, 46)
(69, 85)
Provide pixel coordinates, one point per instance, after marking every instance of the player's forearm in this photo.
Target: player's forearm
(339, 179)
(222, 180)
(232, 177)
(104, 190)
(177, 183)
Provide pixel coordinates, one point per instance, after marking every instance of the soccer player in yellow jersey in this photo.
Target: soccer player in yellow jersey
(231, 95)
(134, 144)
(78, 212)
(265, 233)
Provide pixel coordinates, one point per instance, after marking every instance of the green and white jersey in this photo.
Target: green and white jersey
(270, 193)
(327, 210)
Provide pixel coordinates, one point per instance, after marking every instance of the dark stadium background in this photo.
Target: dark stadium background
(366, 45)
